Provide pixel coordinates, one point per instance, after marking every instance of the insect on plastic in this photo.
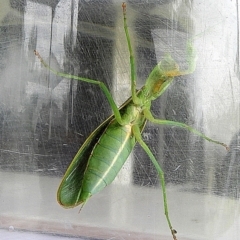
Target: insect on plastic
(103, 154)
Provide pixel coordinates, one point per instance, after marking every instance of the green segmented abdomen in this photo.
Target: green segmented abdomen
(107, 158)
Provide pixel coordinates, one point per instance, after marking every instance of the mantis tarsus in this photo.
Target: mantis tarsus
(103, 154)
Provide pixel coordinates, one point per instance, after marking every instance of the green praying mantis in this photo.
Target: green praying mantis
(103, 154)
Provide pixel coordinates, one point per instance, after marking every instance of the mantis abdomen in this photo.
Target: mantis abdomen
(107, 158)
(99, 160)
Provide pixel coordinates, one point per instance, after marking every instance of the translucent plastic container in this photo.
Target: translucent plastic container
(44, 118)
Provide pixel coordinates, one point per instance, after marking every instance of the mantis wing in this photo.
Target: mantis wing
(70, 187)
(71, 184)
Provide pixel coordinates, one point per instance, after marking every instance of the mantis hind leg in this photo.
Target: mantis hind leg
(102, 86)
(137, 134)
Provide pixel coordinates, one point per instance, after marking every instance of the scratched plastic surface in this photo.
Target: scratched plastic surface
(44, 119)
